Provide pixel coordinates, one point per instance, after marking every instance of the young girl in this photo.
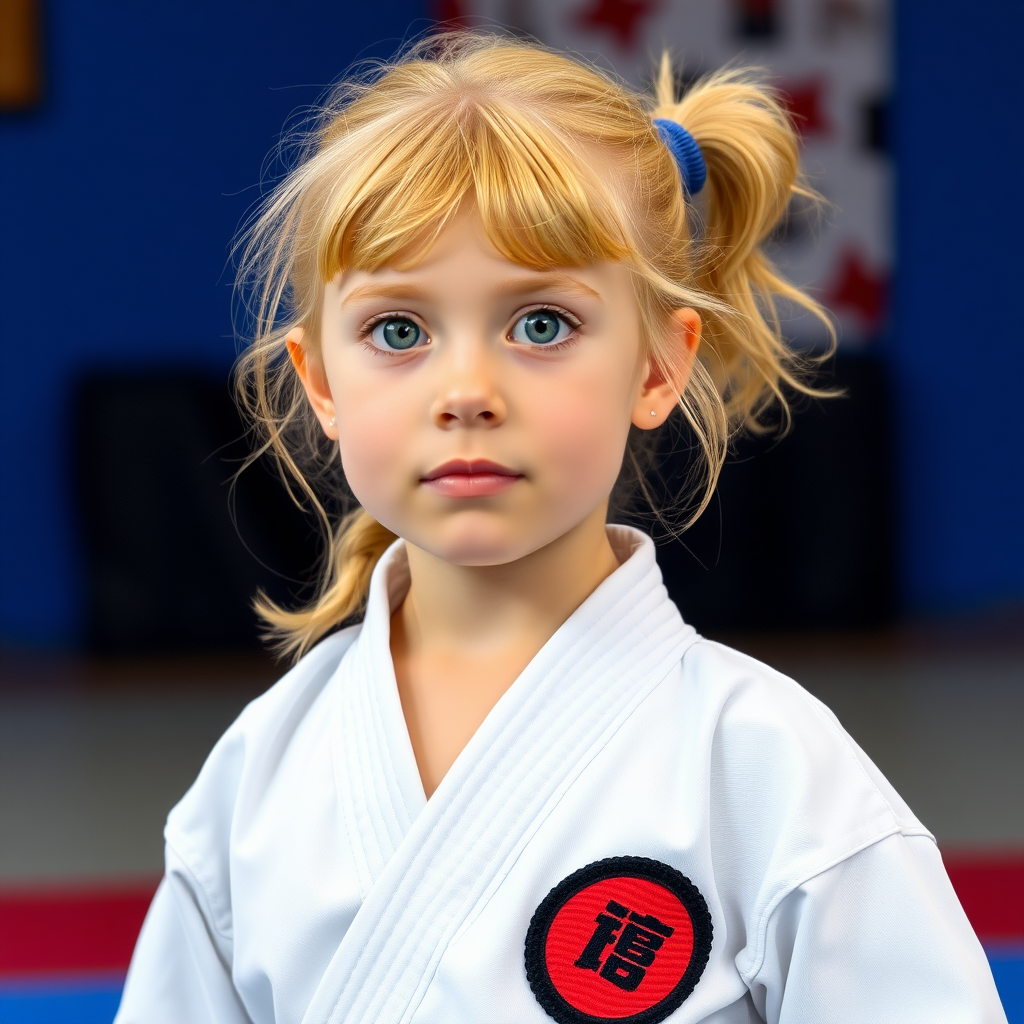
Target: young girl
(523, 789)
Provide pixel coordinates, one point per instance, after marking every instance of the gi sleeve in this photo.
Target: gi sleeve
(878, 937)
(181, 968)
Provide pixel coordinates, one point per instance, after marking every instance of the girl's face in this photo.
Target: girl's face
(482, 408)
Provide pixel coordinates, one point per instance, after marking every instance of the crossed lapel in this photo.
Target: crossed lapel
(379, 788)
(425, 868)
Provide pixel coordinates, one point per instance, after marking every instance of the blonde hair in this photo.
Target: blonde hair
(566, 169)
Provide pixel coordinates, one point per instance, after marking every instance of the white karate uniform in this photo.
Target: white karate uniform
(309, 880)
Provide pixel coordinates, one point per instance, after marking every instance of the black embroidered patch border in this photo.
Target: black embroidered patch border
(623, 940)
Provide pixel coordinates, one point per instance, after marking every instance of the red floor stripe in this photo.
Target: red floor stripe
(94, 929)
(991, 890)
(65, 930)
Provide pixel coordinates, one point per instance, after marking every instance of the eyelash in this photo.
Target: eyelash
(571, 319)
(367, 329)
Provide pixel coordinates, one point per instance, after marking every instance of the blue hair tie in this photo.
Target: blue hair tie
(688, 156)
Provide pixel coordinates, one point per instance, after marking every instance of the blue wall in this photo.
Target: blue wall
(118, 200)
(958, 348)
(120, 195)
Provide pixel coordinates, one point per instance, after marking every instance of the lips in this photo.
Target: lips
(476, 478)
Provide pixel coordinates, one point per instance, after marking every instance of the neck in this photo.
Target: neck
(480, 610)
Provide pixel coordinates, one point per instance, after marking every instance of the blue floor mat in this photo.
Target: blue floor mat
(1008, 969)
(95, 1001)
(70, 1001)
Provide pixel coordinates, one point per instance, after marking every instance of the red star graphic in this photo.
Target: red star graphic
(860, 289)
(805, 101)
(621, 17)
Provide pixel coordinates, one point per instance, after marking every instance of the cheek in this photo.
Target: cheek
(584, 428)
(372, 434)
(361, 451)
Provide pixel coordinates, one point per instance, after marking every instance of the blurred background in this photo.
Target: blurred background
(876, 553)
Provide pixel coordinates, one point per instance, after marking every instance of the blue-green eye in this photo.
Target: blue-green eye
(542, 327)
(398, 333)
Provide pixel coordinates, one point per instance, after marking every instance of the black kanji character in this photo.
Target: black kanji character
(604, 935)
(635, 948)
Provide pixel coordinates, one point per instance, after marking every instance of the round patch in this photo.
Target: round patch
(624, 939)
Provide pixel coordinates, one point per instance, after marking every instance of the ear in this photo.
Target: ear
(657, 397)
(314, 380)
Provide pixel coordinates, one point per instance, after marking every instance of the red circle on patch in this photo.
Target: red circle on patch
(575, 924)
(624, 939)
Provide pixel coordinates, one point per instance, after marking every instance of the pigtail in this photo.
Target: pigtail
(751, 150)
(355, 547)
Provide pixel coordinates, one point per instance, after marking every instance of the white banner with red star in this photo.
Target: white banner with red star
(830, 58)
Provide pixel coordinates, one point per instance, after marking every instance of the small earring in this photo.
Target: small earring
(334, 419)
(653, 413)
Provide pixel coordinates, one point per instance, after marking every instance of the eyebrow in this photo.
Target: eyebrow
(551, 280)
(518, 286)
(386, 291)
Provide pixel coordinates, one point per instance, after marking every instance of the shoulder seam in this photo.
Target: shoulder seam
(200, 888)
(751, 972)
(834, 725)
(895, 824)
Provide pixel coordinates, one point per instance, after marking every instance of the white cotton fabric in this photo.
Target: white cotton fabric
(309, 881)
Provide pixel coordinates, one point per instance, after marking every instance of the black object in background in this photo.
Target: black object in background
(800, 532)
(757, 19)
(798, 536)
(167, 570)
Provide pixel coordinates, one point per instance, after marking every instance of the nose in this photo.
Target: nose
(468, 395)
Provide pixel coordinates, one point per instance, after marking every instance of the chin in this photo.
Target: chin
(476, 543)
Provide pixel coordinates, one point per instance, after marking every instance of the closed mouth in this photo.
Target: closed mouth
(461, 479)
(470, 468)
